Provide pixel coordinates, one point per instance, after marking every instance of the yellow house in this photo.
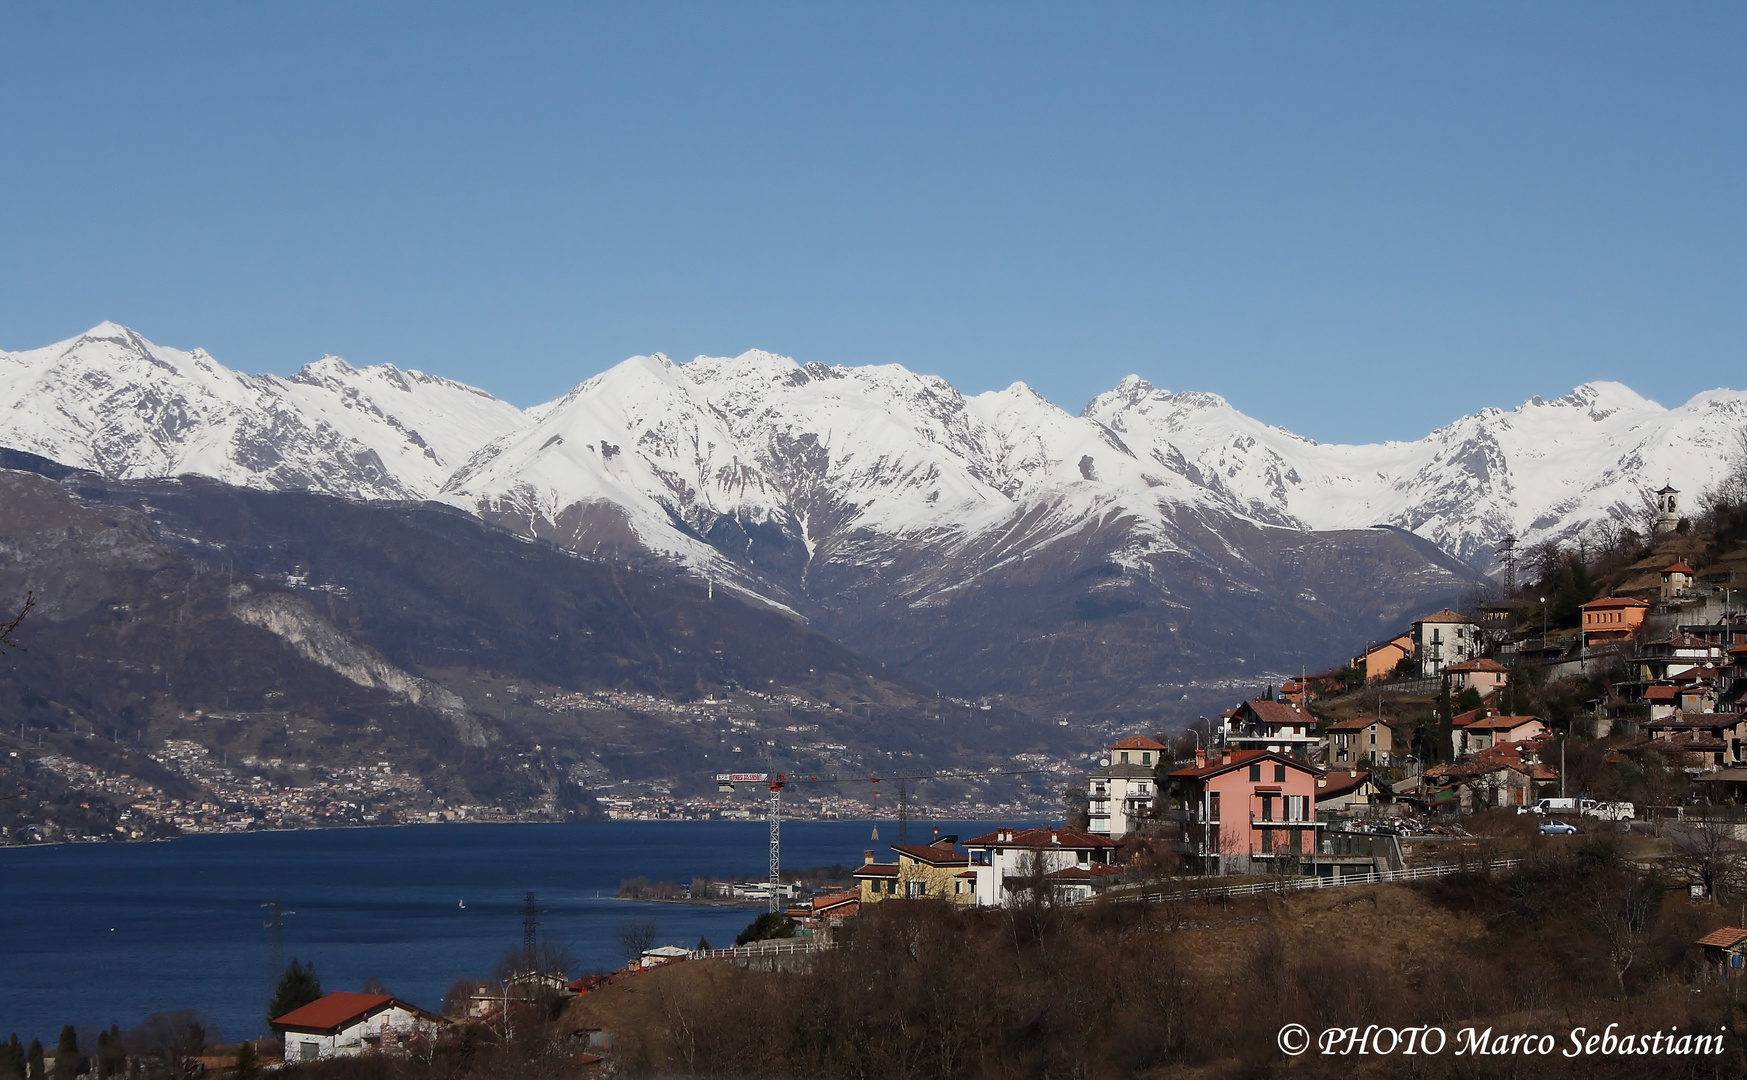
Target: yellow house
(923, 871)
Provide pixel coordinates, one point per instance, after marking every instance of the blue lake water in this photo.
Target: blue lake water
(106, 933)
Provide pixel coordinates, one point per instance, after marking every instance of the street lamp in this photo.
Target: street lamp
(1543, 629)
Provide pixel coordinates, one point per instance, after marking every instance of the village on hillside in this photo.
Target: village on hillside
(1583, 731)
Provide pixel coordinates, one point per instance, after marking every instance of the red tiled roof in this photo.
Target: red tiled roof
(1661, 693)
(1357, 723)
(1486, 719)
(1341, 781)
(1444, 615)
(1616, 602)
(932, 855)
(1240, 758)
(836, 899)
(1042, 838)
(876, 869)
(1484, 663)
(1678, 568)
(330, 1012)
(1727, 937)
(1276, 712)
(1510, 755)
(1138, 742)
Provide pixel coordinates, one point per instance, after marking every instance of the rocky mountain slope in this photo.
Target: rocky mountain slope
(294, 636)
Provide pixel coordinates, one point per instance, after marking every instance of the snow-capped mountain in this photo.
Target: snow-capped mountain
(1544, 470)
(1114, 560)
(763, 471)
(114, 403)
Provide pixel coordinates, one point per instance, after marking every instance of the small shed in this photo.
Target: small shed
(1727, 948)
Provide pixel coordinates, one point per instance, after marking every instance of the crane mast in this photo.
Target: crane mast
(776, 781)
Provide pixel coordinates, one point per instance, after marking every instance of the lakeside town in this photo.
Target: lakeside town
(1505, 747)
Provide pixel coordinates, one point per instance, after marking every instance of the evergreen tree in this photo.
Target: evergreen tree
(12, 1059)
(245, 1061)
(33, 1060)
(111, 1054)
(1446, 730)
(703, 944)
(67, 1054)
(297, 988)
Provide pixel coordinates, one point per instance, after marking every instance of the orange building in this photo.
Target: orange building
(1613, 618)
(1378, 661)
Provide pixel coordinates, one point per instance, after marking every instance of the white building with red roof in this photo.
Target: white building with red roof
(1444, 637)
(1123, 789)
(344, 1022)
(1280, 726)
(1011, 863)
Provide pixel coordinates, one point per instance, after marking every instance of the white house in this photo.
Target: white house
(1122, 789)
(344, 1022)
(1004, 864)
(1444, 637)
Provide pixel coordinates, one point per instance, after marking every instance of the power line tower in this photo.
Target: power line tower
(1509, 545)
(530, 929)
(776, 840)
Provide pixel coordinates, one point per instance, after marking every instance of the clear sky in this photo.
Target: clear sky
(1359, 221)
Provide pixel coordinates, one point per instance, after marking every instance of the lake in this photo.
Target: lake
(94, 934)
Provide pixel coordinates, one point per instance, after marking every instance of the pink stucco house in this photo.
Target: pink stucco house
(1245, 810)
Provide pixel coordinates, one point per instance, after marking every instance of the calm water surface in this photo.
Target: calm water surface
(106, 933)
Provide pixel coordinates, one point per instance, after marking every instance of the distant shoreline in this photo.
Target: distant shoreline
(106, 842)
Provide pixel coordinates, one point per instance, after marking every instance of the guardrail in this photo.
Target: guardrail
(1297, 884)
(773, 947)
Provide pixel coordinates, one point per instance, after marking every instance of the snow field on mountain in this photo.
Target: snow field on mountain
(846, 462)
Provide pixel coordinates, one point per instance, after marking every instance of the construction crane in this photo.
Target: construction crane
(776, 781)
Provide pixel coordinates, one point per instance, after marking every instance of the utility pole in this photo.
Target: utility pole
(530, 930)
(276, 923)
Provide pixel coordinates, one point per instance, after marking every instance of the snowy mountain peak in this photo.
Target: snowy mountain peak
(755, 460)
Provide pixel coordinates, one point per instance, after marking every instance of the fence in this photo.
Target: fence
(1296, 884)
(760, 949)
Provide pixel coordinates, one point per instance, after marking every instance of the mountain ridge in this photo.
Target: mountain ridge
(974, 540)
(114, 402)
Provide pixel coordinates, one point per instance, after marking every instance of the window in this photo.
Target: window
(1256, 772)
(1279, 773)
(1146, 757)
(1213, 806)
(1125, 757)
(1268, 807)
(915, 890)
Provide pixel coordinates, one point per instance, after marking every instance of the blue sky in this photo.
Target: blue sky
(1358, 221)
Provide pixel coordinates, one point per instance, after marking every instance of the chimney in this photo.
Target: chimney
(1322, 781)
(1200, 758)
(1224, 756)
(1354, 773)
(866, 857)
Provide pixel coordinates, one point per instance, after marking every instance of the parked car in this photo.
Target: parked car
(1555, 827)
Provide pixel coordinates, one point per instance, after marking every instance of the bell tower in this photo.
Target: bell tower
(1667, 510)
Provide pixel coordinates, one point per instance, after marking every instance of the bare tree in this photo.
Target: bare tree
(1708, 857)
(7, 641)
(1731, 489)
(1622, 910)
(635, 937)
